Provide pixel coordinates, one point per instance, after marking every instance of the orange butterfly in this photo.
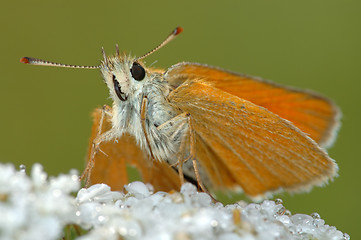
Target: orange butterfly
(207, 125)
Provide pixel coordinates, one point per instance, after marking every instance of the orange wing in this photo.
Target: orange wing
(261, 151)
(313, 114)
(111, 168)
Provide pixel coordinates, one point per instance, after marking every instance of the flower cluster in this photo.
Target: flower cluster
(36, 207)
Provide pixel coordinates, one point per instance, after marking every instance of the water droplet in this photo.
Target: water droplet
(22, 168)
(214, 223)
(295, 230)
(315, 215)
(75, 178)
(278, 201)
(318, 222)
(301, 219)
(346, 236)
(288, 213)
(101, 218)
(281, 211)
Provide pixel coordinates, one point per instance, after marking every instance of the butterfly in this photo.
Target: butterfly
(212, 127)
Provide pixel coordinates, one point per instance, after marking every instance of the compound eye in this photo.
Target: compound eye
(137, 71)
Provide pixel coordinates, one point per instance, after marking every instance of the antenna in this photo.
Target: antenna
(35, 61)
(170, 37)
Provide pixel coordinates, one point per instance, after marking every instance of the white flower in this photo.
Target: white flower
(36, 207)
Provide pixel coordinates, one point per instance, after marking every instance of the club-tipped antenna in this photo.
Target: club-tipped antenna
(170, 37)
(41, 62)
(35, 61)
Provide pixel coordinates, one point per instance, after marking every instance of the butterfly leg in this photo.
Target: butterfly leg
(166, 128)
(180, 160)
(192, 155)
(181, 125)
(106, 111)
(176, 130)
(143, 117)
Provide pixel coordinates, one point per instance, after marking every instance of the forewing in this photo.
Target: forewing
(115, 155)
(262, 151)
(310, 112)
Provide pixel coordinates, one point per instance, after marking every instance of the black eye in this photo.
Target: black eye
(118, 90)
(137, 71)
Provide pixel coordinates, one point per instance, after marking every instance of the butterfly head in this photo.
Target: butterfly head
(124, 76)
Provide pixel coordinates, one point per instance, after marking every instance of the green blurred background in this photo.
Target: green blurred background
(314, 44)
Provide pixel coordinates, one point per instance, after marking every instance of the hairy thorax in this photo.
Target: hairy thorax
(163, 140)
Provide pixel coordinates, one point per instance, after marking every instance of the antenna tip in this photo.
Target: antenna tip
(25, 60)
(178, 30)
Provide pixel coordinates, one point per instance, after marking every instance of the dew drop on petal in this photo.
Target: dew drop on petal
(315, 215)
(318, 222)
(214, 223)
(346, 236)
(101, 218)
(288, 213)
(280, 211)
(300, 219)
(22, 168)
(74, 177)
